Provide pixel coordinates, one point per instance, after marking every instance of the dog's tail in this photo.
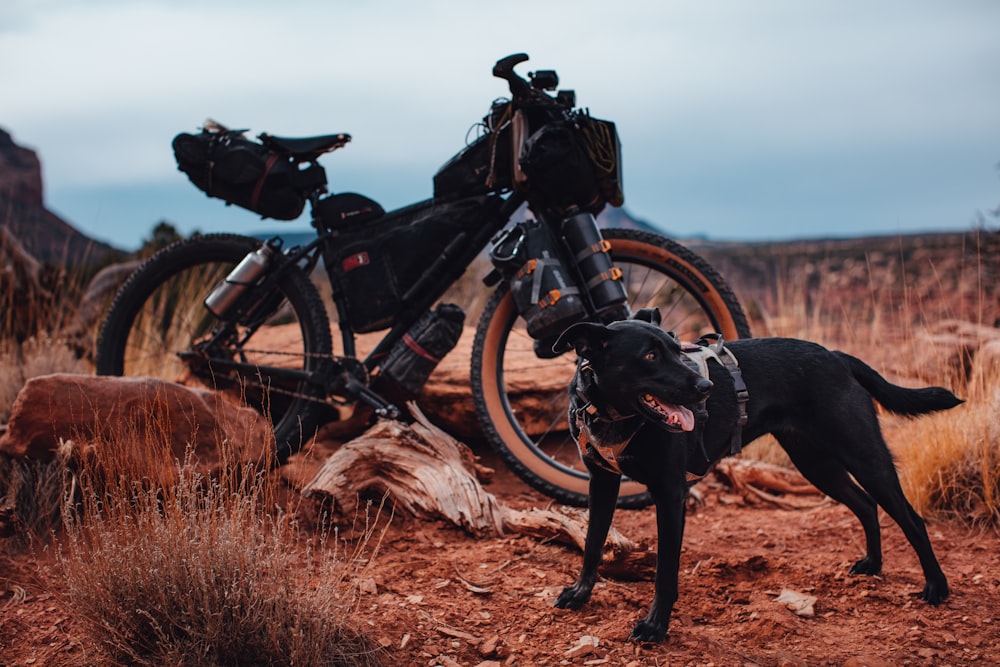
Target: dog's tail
(898, 399)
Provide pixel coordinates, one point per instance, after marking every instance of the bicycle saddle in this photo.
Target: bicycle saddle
(305, 148)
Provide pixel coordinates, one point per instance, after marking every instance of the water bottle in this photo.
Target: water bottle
(412, 360)
(246, 274)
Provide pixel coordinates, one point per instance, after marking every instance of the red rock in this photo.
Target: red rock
(114, 411)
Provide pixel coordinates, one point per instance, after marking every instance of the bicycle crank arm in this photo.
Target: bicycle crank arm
(382, 407)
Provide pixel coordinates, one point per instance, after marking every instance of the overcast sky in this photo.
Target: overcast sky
(755, 119)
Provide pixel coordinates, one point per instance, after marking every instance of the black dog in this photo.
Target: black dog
(637, 408)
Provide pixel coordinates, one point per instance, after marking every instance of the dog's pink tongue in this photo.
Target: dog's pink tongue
(678, 415)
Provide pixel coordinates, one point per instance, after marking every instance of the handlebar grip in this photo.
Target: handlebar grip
(504, 67)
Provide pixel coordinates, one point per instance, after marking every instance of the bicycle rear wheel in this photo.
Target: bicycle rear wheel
(522, 400)
(159, 326)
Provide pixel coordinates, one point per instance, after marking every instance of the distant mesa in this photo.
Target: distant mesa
(44, 235)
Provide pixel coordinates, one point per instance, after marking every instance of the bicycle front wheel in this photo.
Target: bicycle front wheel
(158, 326)
(522, 400)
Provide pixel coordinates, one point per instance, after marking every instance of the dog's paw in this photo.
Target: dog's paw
(573, 597)
(935, 592)
(867, 565)
(645, 631)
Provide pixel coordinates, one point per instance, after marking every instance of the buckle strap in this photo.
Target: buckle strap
(712, 346)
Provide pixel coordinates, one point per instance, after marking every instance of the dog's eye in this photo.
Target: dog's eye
(651, 356)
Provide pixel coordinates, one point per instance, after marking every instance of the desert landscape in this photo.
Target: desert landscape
(144, 567)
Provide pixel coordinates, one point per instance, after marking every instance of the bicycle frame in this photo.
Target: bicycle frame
(438, 277)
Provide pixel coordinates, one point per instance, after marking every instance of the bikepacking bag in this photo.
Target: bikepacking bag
(228, 166)
(574, 163)
(484, 165)
(374, 261)
(542, 289)
(412, 360)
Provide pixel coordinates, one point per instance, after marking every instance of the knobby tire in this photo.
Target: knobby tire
(527, 428)
(159, 313)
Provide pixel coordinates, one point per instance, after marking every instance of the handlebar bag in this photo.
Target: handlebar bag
(228, 166)
(574, 163)
(559, 172)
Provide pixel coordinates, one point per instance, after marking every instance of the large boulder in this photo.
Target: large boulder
(129, 413)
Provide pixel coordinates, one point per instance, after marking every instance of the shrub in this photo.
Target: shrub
(198, 573)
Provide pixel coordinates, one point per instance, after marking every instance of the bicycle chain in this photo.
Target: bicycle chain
(328, 400)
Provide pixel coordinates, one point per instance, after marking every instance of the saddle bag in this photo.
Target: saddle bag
(228, 166)
(542, 289)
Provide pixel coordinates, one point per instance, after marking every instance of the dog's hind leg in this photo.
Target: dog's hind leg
(829, 476)
(604, 487)
(884, 486)
(864, 455)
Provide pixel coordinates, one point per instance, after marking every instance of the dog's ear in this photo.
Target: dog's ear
(587, 338)
(651, 315)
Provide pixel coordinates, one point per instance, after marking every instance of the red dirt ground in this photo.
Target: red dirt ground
(435, 596)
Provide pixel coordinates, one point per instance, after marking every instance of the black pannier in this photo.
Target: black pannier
(240, 171)
(377, 260)
(542, 288)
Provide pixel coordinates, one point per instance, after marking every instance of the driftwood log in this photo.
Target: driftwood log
(783, 487)
(428, 474)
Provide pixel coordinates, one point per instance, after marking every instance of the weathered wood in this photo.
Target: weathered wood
(430, 475)
(773, 484)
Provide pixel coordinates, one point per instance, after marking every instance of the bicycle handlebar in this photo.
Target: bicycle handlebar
(521, 91)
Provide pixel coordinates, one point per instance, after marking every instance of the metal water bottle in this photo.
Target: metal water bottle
(246, 274)
(602, 279)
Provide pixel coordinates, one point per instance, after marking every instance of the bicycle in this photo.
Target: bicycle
(236, 314)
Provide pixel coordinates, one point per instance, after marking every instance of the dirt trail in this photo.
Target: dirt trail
(434, 596)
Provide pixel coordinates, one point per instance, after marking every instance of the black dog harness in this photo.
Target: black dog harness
(696, 356)
(588, 416)
(590, 420)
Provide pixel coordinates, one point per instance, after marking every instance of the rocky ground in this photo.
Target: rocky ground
(432, 595)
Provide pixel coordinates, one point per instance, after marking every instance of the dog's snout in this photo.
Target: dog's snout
(704, 385)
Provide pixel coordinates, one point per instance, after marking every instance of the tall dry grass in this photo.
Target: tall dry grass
(30, 490)
(204, 572)
(919, 323)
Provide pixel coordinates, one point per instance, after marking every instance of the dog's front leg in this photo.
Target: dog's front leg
(669, 499)
(604, 487)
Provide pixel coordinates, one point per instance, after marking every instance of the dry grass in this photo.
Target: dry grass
(31, 491)
(205, 572)
(37, 356)
(918, 324)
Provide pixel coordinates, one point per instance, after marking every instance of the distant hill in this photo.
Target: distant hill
(46, 236)
(964, 266)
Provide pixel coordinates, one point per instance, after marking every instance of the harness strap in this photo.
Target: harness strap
(711, 346)
(605, 456)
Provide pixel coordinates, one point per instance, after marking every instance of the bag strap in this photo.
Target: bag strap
(258, 187)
